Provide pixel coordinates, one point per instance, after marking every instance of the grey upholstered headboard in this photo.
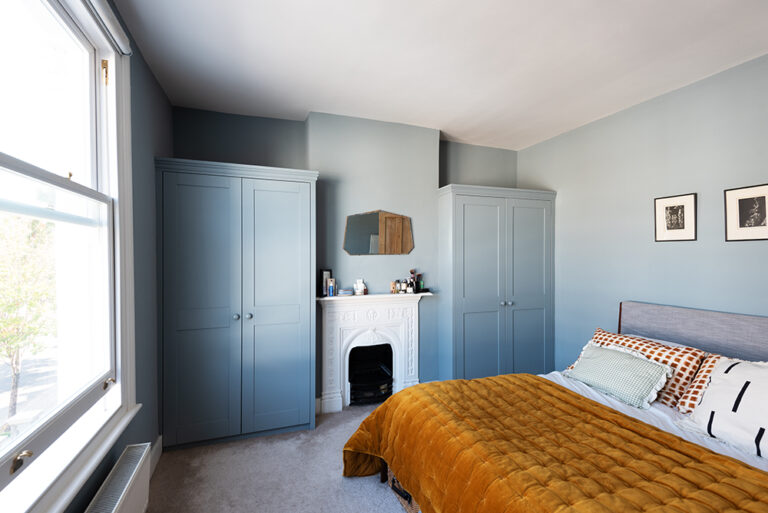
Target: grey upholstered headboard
(735, 335)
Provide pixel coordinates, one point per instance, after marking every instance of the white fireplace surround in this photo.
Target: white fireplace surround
(355, 321)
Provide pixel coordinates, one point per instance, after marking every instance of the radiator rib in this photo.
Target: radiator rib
(126, 488)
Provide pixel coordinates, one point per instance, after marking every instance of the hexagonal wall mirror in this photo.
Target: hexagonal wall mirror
(378, 233)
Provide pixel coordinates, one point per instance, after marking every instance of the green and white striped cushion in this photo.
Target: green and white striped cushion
(628, 376)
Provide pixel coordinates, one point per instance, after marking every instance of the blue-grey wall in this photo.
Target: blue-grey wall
(205, 135)
(369, 165)
(467, 164)
(151, 134)
(704, 138)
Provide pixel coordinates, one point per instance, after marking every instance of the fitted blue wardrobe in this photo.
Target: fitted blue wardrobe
(496, 268)
(238, 313)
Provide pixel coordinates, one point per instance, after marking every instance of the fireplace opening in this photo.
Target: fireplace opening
(370, 374)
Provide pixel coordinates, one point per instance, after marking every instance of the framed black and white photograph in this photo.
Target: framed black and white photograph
(745, 213)
(675, 217)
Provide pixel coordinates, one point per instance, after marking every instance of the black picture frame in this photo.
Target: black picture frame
(746, 213)
(675, 218)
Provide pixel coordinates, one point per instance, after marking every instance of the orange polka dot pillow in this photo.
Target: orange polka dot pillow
(684, 361)
(692, 396)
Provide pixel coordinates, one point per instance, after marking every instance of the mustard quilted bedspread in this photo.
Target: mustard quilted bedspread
(519, 443)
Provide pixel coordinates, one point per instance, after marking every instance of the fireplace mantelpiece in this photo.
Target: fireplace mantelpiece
(353, 321)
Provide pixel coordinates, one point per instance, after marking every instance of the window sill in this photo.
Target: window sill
(53, 480)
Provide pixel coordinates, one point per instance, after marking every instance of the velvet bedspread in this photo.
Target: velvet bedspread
(520, 443)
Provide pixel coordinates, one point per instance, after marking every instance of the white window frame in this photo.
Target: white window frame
(80, 450)
(59, 421)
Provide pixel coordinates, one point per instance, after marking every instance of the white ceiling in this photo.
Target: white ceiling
(503, 73)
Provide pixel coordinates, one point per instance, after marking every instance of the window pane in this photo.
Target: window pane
(54, 300)
(45, 106)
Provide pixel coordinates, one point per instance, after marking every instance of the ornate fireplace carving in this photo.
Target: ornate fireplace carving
(352, 321)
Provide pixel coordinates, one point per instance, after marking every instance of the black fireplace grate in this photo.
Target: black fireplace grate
(370, 382)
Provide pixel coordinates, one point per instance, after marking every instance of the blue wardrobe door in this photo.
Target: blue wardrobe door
(480, 264)
(528, 286)
(201, 300)
(276, 304)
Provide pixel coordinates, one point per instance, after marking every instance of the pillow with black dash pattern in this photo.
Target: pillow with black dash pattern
(734, 407)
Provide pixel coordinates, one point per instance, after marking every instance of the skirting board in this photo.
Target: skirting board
(154, 454)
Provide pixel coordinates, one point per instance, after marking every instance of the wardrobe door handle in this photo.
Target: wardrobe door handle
(503, 303)
(236, 317)
(510, 303)
(249, 316)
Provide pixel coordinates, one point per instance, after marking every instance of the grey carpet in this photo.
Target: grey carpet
(298, 471)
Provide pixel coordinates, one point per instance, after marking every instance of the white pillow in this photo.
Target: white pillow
(622, 373)
(735, 405)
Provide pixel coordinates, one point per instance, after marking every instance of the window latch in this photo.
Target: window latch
(105, 70)
(18, 461)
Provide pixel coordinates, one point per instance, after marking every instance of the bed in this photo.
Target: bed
(524, 443)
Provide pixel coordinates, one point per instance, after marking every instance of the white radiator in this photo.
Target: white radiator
(126, 489)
